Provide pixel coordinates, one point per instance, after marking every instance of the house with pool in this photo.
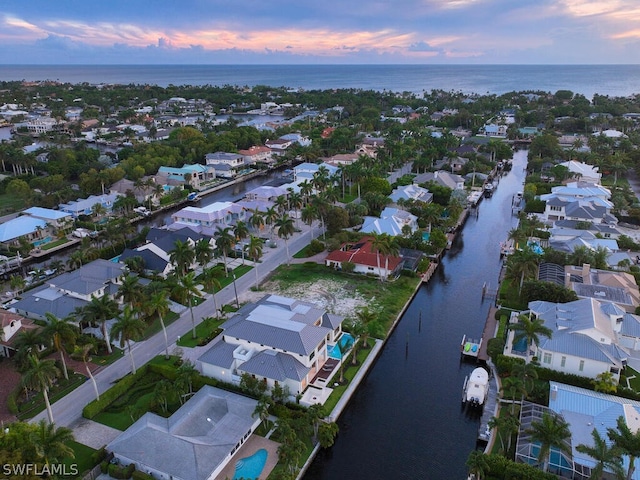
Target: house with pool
(197, 442)
(281, 341)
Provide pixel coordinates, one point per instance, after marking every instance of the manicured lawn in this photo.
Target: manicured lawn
(204, 330)
(82, 458)
(156, 327)
(9, 204)
(50, 245)
(304, 253)
(108, 359)
(633, 382)
(509, 296)
(36, 404)
(349, 373)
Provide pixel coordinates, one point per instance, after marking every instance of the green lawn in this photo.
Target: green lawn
(36, 404)
(50, 245)
(156, 326)
(349, 373)
(10, 204)
(633, 382)
(204, 330)
(82, 458)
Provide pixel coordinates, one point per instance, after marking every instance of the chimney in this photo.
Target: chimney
(586, 269)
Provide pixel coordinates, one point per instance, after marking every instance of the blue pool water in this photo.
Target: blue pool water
(346, 342)
(520, 345)
(250, 468)
(426, 236)
(37, 243)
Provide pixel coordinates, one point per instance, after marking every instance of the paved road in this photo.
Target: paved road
(69, 409)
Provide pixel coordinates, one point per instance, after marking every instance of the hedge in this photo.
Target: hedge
(108, 397)
(121, 472)
(138, 475)
(501, 468)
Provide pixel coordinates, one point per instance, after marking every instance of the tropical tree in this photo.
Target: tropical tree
(61, 332)
(477, 464)
(130, 291)
(270, 216)
(158, 304)
(162, 392)
(605, 382)
(550, 431)
(285, 230)
(241, 231)
(254, 252)
(40, 376)
(522, 264)
(187, 375)
(211, 283)
(505, 424)
(381, 244)
(29, 342)
(203, 252)
(256, 220)
(100, 309)
(186, 289)
(607, 457)
(513, 387)
(527, 373)
(82, 352)
(51, 443)
(281, 203)
(224, 242)
(627, 443)
(529, 328)
(327, 433)
(262, 409)
(295, 201)
(182, 256)
(315, 415)
(308, 215)
(128, 327)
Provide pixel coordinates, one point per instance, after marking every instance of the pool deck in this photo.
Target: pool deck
(251, 446)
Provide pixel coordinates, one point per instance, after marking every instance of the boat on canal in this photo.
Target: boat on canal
(476, 388)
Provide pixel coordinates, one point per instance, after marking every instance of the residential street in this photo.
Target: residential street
(69, 409)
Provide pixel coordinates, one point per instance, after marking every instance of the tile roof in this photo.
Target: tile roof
(362, 253)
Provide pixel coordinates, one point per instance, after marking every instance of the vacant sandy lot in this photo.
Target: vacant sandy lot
(334, 296)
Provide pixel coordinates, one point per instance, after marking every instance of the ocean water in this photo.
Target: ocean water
(612, 80)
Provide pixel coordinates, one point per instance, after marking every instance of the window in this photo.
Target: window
(581, 367)
(563, 361)
(546, 358)
(614, 370)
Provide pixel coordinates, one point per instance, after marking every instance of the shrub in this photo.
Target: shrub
(98, 456)
(122, 472)
(12, 401)
(333, 244)
(495, 347)
(104, 466)
(315, 247)
(108, 397)
(348, 267)
(138, 475)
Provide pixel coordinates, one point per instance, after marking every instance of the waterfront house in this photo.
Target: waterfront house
(298, 138)
(278, 146)
(257, 154)
(583, 171)
(26, 227)
(305, 171)
(85, 206)
(227, 165)
(195, 443)
(194, 175)
(392, 221)
(584, 410)
(206, 219)
(589, 337)
(580, 201)
(442, 178)
(366, 260)
(278, 340)
(55, 218)
(142, 191)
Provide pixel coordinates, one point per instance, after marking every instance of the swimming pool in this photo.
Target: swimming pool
(346, 342)
(249, 468)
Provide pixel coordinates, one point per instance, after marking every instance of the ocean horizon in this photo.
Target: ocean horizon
(611, 80)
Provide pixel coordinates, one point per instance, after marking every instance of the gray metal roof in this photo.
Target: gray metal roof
(583, 346)
(603, 292)
(195, 440)
(45, 299)
(275, 365)
(90, 277)
(220, 354)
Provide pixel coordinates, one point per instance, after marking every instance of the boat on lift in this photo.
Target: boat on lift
(476, 388)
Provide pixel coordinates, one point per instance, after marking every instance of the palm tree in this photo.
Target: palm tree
(203, 252)
(158, 304)
(187, 375)
(270, 217)
(186, 289)
(477, 463)
(551, 431)
(285, 230)
(366, 317)
(262, 409)
(529, 328)
(224, 241)
(606, 457)
(256, 220)
(100, 309)
(40, 376)
(51, 444)
(82, 352)
(128, 327)
(528, 374)
(130, 291)
(254, 252)
(522, 264)
(321, 206)
(295, 201)
(507, 424)
(627, 443)
(281, 204)
(28, 342)
(241, 231)
(210, 282)
(381, 245)
(308, 215)
(60, 332)
(182, 256)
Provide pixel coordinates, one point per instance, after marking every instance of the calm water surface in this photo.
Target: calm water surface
(406, 421)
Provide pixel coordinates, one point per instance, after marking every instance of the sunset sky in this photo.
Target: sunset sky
(329, 31)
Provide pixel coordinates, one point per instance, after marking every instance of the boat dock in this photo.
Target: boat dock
(490, 409)
(470, 347)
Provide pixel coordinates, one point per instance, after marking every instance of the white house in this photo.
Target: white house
(10, 326)
(84, 206)
(411, 192)
(589, 337)
(583, 171)
(391, 221)
(443, 178)
(226, 164)
(209, 217)
(279, 340)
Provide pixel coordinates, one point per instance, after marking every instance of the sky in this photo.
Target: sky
(320, 32)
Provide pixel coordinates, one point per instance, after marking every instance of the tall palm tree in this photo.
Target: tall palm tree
(295, 201)
(51, 443)
(308, 214)
(158, 304)
(100, 309)
(530, 329)
(606, 457)
(270, 217)
(186, 289)
(522, 264)
(381, 245)
(60, 332)
(550, 431)
(254, 252)
(627, 442)
(82, 352)
(256, 220)
(505, 424)
(321, 206)
(241, 231)
(224, 241)
(477, 463)
(528, 374)
(128, 327)
(182, 256)
(285, 230)
(40, 377)
(130, 291)
(211, 283)
(281, 203)
(203, 252)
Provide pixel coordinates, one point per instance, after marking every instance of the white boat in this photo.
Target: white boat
(476, 388)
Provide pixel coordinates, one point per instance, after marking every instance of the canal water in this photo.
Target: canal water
(406, 420)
